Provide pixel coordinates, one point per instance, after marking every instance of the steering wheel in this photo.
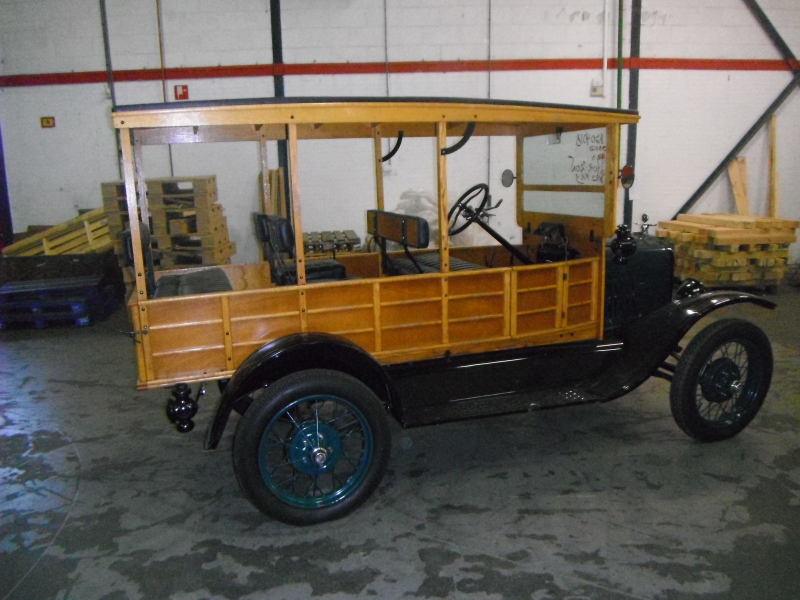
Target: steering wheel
(463, 209)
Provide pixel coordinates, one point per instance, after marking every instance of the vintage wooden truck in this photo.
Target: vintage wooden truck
(317, 355)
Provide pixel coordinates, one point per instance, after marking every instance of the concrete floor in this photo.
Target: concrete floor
(101, 498)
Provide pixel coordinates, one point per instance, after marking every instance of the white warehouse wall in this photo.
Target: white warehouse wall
(690, 118)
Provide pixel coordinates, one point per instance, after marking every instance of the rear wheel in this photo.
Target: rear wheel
(721, 380)
(311, 447)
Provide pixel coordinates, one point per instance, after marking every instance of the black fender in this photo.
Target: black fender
(290, 354)
(648, 342)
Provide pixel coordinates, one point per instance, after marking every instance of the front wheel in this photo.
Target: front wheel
(721, 380)
(311, 447)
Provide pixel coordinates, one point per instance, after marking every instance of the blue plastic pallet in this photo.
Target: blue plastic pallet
(46, 302)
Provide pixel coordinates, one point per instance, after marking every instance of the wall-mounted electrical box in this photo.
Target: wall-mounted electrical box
(181, 92)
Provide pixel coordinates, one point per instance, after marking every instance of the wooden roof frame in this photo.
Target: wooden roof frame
(294, 119)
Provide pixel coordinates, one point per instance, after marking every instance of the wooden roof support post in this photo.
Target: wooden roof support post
(294, 184)
(441, 178)
(265, 182)
(141, 183)
(444, 239)
(376, 137)
(130, 196)
(612, 180)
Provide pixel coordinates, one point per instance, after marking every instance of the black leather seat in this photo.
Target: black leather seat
(275, 235)
(204, 281)
(430, 263)
(409, 231)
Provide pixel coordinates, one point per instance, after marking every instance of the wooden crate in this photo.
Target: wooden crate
(187, 225)
(730, 250)
(163, 221)
(175, 192)
(198, 220)
(218, 255)
(88, 232)
(183, 186)
(191, 241)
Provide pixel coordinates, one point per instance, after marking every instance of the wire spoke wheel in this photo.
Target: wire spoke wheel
(315, 451)
(721, 380)
(719, 391)
(311, 447)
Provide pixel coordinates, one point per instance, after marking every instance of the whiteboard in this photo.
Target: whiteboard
(578, 204)
(579, 158)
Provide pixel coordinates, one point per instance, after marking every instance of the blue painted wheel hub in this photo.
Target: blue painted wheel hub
(316, 451)
(315, 448)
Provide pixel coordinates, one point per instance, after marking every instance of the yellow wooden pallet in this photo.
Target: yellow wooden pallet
(725, 249)
(85, 233)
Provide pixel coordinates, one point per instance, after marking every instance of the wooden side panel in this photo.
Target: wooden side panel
(345, 310)
(184, 311)
(581, 291)
(398, 289)
(365, 266)
(411, 315)
(319, 298)
(479, 329)
(208, 362)
(412, 336)
(186, 337)
(478, 306)
(396, 318)
(261, 316)
(259, 330)
(538, 296)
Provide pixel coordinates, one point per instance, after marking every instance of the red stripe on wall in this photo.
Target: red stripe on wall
(371, 68)
(709, 64)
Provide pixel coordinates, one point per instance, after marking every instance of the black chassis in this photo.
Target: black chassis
(484, 384)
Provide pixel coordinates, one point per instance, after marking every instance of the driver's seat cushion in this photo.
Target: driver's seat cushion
(206, 281)
(429, 263)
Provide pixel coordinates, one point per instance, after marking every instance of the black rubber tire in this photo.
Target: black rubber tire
(269, 404)
(709, 410)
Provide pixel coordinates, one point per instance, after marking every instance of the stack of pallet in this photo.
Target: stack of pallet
(44, 302)
(60, 275)
(187, 225)
(86, 233)
(730, 250)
